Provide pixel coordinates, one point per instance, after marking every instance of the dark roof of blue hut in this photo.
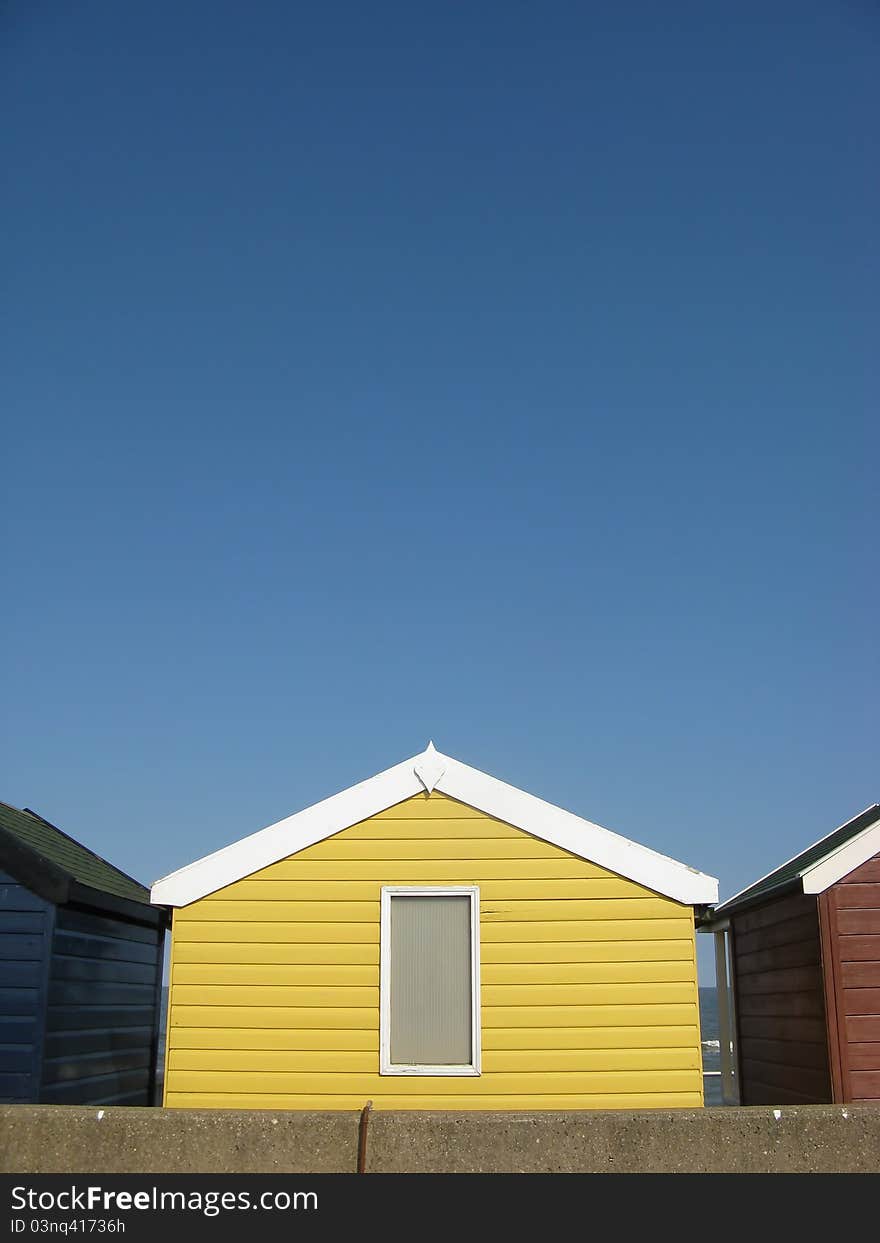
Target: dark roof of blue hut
(44, 851)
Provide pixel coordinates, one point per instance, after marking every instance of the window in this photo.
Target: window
(430, 981)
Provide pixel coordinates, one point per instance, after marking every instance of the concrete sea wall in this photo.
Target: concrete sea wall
(42, 1139)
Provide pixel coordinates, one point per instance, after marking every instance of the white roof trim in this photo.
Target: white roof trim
(841, 862)
(827, 867)
(427, 771)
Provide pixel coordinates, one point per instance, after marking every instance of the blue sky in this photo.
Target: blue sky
(503, 374)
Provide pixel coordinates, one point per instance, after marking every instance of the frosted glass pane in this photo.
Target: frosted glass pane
(430, 981)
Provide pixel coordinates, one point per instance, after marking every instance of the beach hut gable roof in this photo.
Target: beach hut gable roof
(47, 858)
(428, 771)
(819, 866)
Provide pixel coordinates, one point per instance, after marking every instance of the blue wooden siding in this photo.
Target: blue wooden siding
(102, 1011)
(25, 937)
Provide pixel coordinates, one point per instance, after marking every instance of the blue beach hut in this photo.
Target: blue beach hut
(81, 953)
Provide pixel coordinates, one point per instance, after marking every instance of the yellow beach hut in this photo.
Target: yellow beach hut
(434, 938)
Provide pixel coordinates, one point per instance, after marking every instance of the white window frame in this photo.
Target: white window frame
(386, 1066)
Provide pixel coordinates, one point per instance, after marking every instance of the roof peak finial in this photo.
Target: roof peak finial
(429, 767)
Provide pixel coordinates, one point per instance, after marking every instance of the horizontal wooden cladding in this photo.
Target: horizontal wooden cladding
(99, 970)
(15, 1088)
(77, 1017)
(523, 1039)
(101, 1090)
(23, 945)
(66, 1067)
(810, 1083)
(868, 872)
(859, 949)
(523, 1083)
(21, 974)
(786, 1052)
(775, 911)
(228, 953)
(495, 1062)
(66, 1044)
(314, 953)
(664, 948)
(865, 1085)
(634, 1036)
(677, 1015)
(17, 898)
(782, 981)
(446, 871)
(652, 993)
(515, 1101)
(23, 921)
(781, 1014)
(568, 973)
(630, 908)
(403, 832)
(290, 1018)
(598, 929)
(17, 1001)
(295, 1061)
(300, 996)
(20, 947)
(754, 1092)
(793, 1005)
(787, 932)
(93, 925)
(279, 912)
(17, 1060)
(17, 1028)
(201, 933)
(864, 1056)
(862, 1029)
(347, 846)
(508, 911)
(306, 1038)
(89, 993)
(867, 896)
(803, 953)
(434, 806)
(244, 974)
(81, 945)
(367, 1017)
(860, 974)
(338, 996)
(450, 828)
(858, 1001)
(853, 907)
(858, 921)
(519, 974)
(494, 891)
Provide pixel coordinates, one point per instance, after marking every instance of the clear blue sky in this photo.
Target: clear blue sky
(499, 373)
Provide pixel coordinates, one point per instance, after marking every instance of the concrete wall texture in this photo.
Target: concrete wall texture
(44, 1139)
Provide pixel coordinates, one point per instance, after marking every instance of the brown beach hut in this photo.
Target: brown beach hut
(798, 971)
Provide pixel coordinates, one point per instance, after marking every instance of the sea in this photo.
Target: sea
(708, 1028)
(711, 1046)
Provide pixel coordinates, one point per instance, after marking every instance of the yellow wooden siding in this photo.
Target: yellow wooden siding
(588, 980)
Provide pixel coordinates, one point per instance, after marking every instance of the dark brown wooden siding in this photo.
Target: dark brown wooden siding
(783, 1045)
(851, 914)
